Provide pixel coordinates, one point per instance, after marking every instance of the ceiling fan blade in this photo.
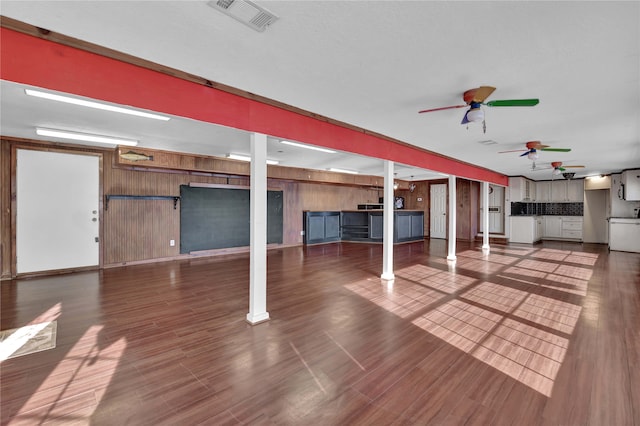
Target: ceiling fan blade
(522, 155)
(556, 149)
(482, 93)
(513, 103)
(513, 150)
(442, 108)
(574, 167)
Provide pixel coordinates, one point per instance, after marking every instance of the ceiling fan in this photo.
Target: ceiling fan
(475, 98)
(558, 168)
(532, 148)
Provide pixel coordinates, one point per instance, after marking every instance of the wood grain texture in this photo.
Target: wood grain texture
(479, 343)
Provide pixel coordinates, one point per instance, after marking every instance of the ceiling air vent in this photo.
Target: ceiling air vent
(247, 12)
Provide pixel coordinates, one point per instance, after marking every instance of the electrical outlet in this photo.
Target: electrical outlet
(301, 232)
(419, 198)
(172, 243)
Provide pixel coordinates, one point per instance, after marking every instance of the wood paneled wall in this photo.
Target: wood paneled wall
(134, 231)
(467, 208)
(140, 230)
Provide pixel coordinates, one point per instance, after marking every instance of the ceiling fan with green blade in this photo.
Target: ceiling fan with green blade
(475, 98)
(532, 148)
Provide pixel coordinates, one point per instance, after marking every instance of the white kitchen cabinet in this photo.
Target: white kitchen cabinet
(624, 234)
(525, 229)
(575, 190)
(572, 227)
(565, 191)
(521, 189)
(552, 227)
(543, 192)
(631, 181)
(558, 191)
(538, 227)
(563, 228)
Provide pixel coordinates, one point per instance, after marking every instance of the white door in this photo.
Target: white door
(438, 215)
(496, 210)
(57, 198)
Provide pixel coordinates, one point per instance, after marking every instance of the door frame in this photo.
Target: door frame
(446, 208)
(14, 204)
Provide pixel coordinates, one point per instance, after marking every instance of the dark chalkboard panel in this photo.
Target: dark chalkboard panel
(213, 218)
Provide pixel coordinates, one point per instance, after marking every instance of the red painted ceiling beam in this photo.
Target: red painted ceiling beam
(38, 62)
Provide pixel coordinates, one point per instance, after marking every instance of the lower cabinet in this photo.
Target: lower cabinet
(361, 225)
(321, 227)
(368, 225)
(563, 228)
(572, 228)
(525, 229)
(552, 227)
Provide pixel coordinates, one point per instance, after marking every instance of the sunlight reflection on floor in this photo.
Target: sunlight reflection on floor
(85, 362)
(507, 324)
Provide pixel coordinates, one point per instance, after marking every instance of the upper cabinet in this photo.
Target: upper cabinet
(555, 191)
(567, 191)
(631, 185)
(558, 190)
(521, 189)
(543, 192)
(575, 190)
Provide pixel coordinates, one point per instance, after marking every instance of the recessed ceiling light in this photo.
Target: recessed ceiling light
(85, 137)
(299, 145)
(92, 104)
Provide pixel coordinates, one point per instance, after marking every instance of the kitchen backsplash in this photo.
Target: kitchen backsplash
(547, 209)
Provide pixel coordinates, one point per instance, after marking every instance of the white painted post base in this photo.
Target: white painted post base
(254, 319)
(485, 247)
(451, 257)
(387, 276)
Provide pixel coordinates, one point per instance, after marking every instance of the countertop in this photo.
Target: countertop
(625, 219)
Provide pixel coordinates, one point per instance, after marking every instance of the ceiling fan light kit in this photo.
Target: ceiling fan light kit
(475, 115)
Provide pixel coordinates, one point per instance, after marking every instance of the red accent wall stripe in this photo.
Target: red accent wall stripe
(37, 62)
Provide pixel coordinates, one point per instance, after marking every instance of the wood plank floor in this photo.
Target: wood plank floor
(529, 335)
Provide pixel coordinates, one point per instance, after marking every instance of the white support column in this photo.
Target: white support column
(485, 216)
(452, 218)
(387, 238)
(258, 223)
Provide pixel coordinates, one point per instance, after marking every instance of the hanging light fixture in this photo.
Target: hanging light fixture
(475, 115)
(532, 155)
(395, 185)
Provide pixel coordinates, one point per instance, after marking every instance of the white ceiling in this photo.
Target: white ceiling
(375, 64)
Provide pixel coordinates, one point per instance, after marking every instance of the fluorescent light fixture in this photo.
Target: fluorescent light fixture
(351, 172)
(247, 158)
(85, 137)
(299, 145)
(91, 104)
